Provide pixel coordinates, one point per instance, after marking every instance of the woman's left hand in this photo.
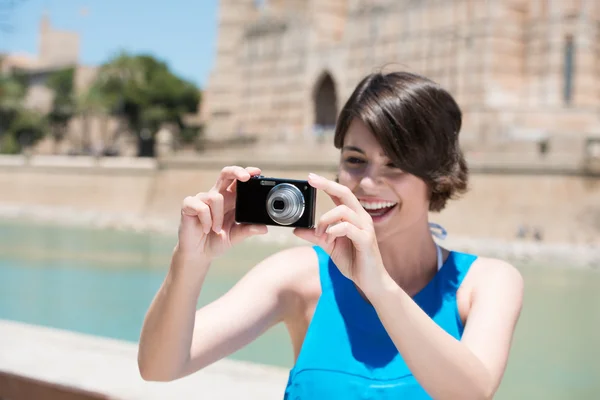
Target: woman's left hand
(347, 234)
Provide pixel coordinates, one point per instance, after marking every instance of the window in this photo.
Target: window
(568, 70)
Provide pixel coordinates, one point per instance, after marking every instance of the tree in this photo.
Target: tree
(89, 103)
(19, 127)
(147, 94)
(63, 103)
(27, 128)
(12, 92)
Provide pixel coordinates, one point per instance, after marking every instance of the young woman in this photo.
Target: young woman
(374, 308)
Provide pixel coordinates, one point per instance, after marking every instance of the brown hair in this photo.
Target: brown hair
(417, 123)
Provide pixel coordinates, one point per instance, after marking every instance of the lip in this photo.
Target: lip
(382, 218)
(375, 199)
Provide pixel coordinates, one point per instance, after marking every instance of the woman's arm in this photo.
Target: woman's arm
(178, 340)
(447, 368)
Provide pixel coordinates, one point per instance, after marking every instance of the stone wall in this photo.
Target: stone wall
(505, 61)
(560, 204)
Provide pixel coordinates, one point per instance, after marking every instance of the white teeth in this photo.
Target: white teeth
(377, 205)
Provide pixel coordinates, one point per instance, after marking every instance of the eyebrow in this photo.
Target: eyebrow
(358, 149)
(353, 148)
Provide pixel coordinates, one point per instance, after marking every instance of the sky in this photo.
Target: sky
(180, 32)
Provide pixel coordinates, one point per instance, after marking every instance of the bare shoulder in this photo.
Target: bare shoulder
(492, 271)
(494, 278)
(490, 279)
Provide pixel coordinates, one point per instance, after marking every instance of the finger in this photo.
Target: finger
(338, 214)
(215, 202)
(253, 171)
(231, 188)
(336, 191)
(352, 232)
(193, 206)
(240, 232)
(229, 175)
(310, 235)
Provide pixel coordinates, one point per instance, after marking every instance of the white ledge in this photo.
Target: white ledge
(109, 367)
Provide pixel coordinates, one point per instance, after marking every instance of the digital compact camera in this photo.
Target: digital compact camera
(275, 201)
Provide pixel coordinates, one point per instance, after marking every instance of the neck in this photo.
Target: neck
(410, 257)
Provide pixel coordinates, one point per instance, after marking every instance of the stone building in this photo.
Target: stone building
(58, 49)
(521, 70)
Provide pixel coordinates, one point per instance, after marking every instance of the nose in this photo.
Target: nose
(369, 181)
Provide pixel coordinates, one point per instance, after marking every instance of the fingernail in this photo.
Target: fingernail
(218, 229)
(313, 176)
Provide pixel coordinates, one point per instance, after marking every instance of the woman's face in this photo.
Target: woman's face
(394, 199)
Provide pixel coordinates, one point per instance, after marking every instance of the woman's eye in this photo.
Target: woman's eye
(354, 160)
(394, 168)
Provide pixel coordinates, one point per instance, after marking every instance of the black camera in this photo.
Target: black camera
(275, 201)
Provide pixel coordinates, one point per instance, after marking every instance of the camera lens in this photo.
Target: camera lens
(285, 204)
(278, 205)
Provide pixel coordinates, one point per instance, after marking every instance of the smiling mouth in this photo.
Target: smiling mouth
(378, 209)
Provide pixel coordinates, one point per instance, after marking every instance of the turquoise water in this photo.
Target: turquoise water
(101, 282)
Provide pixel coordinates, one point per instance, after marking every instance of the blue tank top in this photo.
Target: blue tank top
(347, 353)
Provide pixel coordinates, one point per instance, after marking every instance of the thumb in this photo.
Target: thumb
(240, 232)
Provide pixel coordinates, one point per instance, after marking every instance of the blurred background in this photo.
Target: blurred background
(112, 112)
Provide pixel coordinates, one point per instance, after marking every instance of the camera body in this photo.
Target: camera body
(275, 201)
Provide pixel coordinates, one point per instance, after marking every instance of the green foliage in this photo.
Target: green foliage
(12, 92)
(9, 145)
(189, 135)
(64, 102)
(28, 127)
(62, 82)
(25, 129)
(138, 88)
(90, 101)
(146, 92)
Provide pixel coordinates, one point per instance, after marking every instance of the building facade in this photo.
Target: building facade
(59, 49)
(521, 70)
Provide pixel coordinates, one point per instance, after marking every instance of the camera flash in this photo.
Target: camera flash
(267, 183)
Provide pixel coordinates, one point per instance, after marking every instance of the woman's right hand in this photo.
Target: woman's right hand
(208, 226)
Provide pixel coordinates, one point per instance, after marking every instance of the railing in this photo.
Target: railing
(39, 363)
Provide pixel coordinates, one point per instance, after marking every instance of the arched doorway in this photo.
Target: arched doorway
(325, 105)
